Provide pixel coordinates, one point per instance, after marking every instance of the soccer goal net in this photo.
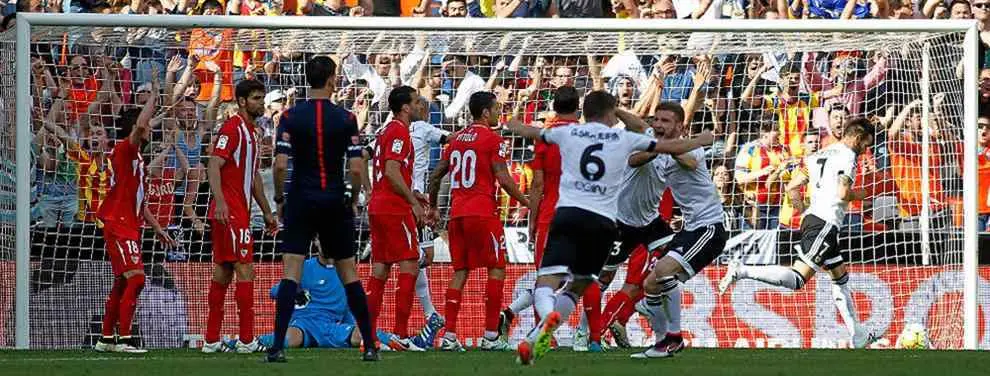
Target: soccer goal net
(770, 97)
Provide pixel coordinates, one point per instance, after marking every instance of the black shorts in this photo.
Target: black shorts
(426, 237)
(332, 221)
(820, 243)
(697, 248)
(578, 243)
(631, 237)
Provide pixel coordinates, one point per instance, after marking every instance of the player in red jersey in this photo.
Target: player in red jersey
(475, 157)
(543, 193)
(393, 211)
(234, 179)
(121, 214)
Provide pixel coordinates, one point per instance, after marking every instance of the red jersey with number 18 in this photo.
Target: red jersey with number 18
(472, 153)
(391, 144)
(236, 144)
(121, 210)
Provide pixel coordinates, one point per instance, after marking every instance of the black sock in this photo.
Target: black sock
(285, 303)
(358, 302)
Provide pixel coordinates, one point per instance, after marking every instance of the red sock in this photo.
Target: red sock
(244, 295)
(592, 302)
(404, 302)
(493, 303)
(128, 303)
(612, 308)
(451, 308)
(214, 317)
(111, 311)
(376, 292)
(627, 310)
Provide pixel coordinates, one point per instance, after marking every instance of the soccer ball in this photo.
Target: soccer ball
(913, 337)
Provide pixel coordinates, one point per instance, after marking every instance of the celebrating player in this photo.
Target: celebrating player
(234, 179)
(122, 225)
(394, 211)
(594, 158)
(476, 157)
(318, 135)
(832, 172)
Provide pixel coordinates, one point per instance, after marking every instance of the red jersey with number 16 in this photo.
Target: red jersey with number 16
(236, 144)
(547, 158)
(472, 153)
(121, 210)
(391, 144)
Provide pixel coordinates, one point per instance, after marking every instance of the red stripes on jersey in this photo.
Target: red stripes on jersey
(319, 144)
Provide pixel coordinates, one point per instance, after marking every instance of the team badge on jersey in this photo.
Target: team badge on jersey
(222, 142)
(244, 252)
(503, 150)
(397, 146)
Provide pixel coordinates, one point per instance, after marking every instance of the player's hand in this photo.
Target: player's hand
(279, 212)
(271, 224)
(166, 239)
(419, 213)
(428, 257)
(199, 226)
(433, 217)
(706, 138)
(221, 213)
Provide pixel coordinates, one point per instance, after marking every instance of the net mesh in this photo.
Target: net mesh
(899, 276)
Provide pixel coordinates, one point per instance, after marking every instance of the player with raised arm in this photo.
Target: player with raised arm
(832, 171)
(121, 214)
(475, 159)
(320, 136)
(234, 180)
(594, 158)
(543, 193)
(394, 211)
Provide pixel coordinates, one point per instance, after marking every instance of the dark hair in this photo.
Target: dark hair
(399, 97)
(210, 4)
(598, 103)
(858, 127)
(837, 107)
(124, 123)
(456, 1)
(789, 69)
(672, 107)
(768, 126)
(566, 100)
(244, 88)
(319, 70)
(479, 102)
(7, 20)
(956, 2)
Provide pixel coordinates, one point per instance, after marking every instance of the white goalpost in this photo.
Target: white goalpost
(917, 249)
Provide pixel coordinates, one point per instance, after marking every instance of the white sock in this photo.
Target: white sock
(775, 275)
(844, 302)
(583, 326)
(544, 300)
(564, 305)
(672, 304)
(523, 301)
(423, 292)
(491, 336)
(654, 303)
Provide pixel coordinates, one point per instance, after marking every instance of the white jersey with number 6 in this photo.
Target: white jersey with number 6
(593, 160)
(824, 169)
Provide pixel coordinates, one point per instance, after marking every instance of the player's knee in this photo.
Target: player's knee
(135, 282)
(840, 279)
(667, 284)
(496, 273)
(606, 277)
(223, 274)
(799, 279)
(245, 272)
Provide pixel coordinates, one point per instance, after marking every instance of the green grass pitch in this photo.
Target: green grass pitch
(692, 362)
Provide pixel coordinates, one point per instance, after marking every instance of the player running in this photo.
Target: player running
(476, 159)
(121, 215)
(394, 211)
(234, 179)
(832, 172)
(594, 158)
(318, 135)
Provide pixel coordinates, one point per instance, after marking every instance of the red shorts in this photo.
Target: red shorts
(641, 264)
(125, 254)
(232, 243)
(542, 230)
(476, 242)
(393, 238)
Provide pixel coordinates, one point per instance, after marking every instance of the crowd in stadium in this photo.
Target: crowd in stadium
(766, 110)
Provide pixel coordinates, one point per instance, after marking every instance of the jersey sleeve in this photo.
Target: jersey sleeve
(436, 135)
(639, 142)
(227, 140)
(539, 156)
(354, 146)
(500, 151)
(846, 166)
(395, 145)
(283, 144)
(554, 135)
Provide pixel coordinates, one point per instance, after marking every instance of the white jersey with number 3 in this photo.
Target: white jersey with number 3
(593, 160)
(824, 169)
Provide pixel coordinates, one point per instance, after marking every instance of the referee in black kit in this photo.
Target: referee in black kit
(318, 135)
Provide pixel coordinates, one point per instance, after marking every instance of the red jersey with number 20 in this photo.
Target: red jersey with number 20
(472, 153)
(236, 144)
(391, 144)
(547, 158)
(121, 210)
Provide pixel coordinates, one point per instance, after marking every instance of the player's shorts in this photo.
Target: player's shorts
(578, 244)
(540, 242)
(232, 242)
(650, 236)
(393, 238)
(125, 254)
(476, 242)
(333, 222)
(697, 248)
(426, 237)
(641, 263)
(820, 243)
(320, 332)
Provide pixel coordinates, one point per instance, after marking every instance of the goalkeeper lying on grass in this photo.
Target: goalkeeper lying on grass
(321, 317)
